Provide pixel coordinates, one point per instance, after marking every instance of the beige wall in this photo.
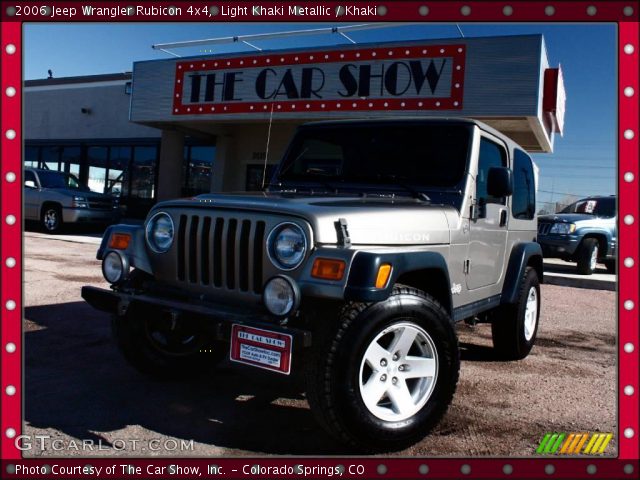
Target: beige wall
(235, 148)
(238, 147)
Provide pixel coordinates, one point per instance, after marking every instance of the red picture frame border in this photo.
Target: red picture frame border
(624, 466)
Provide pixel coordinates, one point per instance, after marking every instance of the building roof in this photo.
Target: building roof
(107, 77)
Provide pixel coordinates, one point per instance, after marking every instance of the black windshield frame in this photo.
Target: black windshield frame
(381, 156)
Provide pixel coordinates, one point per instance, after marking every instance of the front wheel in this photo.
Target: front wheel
(51, 219)
(515, 327)
(386, 374)
(166, 347)
(588, 256)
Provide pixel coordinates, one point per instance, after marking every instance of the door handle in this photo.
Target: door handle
(503, 217)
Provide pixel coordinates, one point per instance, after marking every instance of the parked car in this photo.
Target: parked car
(54, 198)
(584, 232)
(374, 238)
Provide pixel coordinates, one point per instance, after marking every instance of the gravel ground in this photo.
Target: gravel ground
(78, 388)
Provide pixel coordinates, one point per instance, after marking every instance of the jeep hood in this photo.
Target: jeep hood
(370, 220)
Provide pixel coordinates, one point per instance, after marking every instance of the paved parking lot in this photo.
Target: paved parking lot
(79, 388)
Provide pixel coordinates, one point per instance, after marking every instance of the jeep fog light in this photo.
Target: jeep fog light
(281, 296)
(114, 267)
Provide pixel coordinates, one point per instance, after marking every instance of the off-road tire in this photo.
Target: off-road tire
(584, 256)
(332, 373)
(45, 220)
(131, 334)
(508, 324)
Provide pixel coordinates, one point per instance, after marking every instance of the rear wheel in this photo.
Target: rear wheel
(164, 346)
(515, 327)
(385, 374)
(588, 256)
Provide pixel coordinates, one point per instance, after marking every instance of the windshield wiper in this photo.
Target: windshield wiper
(414, 193)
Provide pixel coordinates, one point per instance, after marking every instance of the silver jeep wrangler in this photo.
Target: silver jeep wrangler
(350, 270)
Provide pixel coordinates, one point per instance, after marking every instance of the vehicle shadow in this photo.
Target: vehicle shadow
(478, 353)
(76, 382)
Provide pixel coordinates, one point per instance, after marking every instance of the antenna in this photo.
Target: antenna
(266, 152)
(249, 39)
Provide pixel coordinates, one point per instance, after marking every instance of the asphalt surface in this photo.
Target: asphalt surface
(82, 396)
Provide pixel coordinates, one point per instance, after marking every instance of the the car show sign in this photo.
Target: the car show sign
(418, 77)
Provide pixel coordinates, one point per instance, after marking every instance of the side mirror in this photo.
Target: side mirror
(500, 182)
(30, 184)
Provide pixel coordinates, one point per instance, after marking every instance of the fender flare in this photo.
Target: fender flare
(522, 255)
(360, 284)
(136, 252)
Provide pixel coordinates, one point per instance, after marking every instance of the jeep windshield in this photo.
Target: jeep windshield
(402, 158)
(599, 207)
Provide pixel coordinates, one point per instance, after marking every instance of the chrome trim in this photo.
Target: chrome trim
(146, 232)
(276, 263)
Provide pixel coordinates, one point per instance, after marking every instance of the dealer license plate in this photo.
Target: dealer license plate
(261, 348)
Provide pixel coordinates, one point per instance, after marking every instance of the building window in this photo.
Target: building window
(97, 158)
(143, 172)
(254, 176)
(127, 88)
(31, 157)
(524, 189)
(198, 169)
(127, 171)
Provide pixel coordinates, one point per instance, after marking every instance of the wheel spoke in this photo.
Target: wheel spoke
(373, 390)
(374, 354)
(419, 367)
(403, 341)
(401, 397)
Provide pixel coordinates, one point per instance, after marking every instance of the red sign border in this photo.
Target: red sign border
(453, 102)
(234, 351)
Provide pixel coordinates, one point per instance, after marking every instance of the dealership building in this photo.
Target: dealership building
(184, 126)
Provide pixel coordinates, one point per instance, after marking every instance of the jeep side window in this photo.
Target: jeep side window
(524, 189)
(491, 155)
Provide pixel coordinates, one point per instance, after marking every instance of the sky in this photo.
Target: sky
(584, 159)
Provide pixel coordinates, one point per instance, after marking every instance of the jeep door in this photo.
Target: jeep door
(488, 231)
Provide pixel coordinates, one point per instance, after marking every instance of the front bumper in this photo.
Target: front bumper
(219, 318)
(558, 246)
(88, 215)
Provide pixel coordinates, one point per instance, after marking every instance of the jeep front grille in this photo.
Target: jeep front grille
(220, 252)
(544, 228)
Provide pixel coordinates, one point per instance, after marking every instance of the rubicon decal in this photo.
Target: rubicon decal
(399, 78)
(574, 443)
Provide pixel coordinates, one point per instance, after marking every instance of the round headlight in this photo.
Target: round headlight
(160, 232)
(286, 246)
(114, 267)
(281, 296)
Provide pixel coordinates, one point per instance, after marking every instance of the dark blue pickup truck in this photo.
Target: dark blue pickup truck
(584, 232)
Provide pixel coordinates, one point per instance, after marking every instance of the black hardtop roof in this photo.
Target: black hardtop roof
(408, 120)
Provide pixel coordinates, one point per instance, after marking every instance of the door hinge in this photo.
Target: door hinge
(465, 267)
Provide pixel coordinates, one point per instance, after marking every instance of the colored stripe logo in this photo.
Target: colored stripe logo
(574, 443)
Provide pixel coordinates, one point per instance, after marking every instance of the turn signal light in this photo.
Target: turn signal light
(384, 272)
(328, 269)
(119, 241)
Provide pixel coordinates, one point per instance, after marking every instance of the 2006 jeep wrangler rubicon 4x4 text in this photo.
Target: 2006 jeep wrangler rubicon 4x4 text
(372, 240)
